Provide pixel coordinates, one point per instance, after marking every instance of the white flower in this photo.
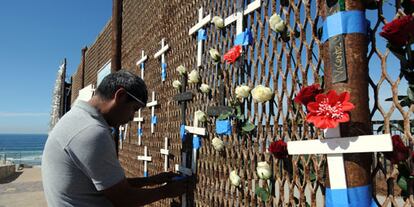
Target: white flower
(276, 23)
(218, 22)
(234, 178)
(242, 91)
(176, 84)
(193, 77)
(214, 54)
(200, 116)
(181, 70)
(263, 170)
(261, 93)
(204, 88)
(217, 143)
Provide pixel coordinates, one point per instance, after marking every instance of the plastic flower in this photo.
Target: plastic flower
(176, 84)
(193, 77)
(215, 55)
(232, 55)
(204, 88)
(276, 23)
(279, 149)
(235, 179)
(218, 22)
(242, 91)
(261, 93)
(181, 70)
(399, 31)
(307, 94)
(263, 170)
(399, 153)
(200, 116)
(217, 143)
(329, 109)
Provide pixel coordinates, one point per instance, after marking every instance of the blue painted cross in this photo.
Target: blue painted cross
(161, 52)
(146, 159)
(154, 118)
(201, 33)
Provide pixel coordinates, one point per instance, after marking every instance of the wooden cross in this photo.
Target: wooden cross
(186, 172)
(201, 22)
(139, 119)
(141, 62)
(334, 146)
(238, 16)
(166, 153)
(152, 104)
(221, 108)
(195, 130)
(161, 52)
(146, 159)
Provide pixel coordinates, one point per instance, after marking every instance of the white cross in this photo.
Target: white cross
(139, 119)
(195, 130)
(122, 130)
(146, 159)
(152, 104)
(142, 60)
(165, 152)
(238, 16)
(201, 22)
(335, 147)
(161, 52)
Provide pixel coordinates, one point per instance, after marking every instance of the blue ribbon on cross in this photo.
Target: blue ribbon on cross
(182, 132)
(245, 38)
(154, 119)
(350, 197)
(163, 71)
(223, 127)
(139, 131)
(142, 66)
(201, 35)
(196, 142)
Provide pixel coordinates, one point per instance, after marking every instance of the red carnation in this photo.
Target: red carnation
(232, 55)
(307, 94)
(279, 149)
(399, 153)
(399, 31)
(329, 110)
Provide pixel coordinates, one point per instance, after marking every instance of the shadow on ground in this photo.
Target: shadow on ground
(11, 178)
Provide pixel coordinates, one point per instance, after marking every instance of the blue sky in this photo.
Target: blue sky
(35, 37)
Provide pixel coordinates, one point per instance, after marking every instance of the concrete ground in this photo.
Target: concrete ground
(24, 188)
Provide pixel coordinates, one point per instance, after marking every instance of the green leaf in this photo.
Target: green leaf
(410, 94)
(402, 182)
(262, 194)
(248, 127)
(224, 116)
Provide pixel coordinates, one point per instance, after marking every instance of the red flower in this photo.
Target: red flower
(399, 153)
(279, 149)
(308, 94)
(399, 31)
(329, 110)
(232, 55)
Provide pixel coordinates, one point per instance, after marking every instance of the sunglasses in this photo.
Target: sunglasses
(136, 99)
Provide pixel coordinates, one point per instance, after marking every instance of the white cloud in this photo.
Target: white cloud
(23, 114)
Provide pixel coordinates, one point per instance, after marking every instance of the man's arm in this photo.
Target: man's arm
(123, 194)
(152, 180)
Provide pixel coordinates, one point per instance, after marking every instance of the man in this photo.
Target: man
(79, 164)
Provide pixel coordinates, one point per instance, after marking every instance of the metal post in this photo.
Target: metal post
(83, 65)
(357, 166)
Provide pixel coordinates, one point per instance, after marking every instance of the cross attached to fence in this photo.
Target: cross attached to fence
(334, 146)
(161, 52)
(146, 159)
(166, 153)
(201, 33)
(152, 104)
(139, 119)
(141, 63)
(122, 134)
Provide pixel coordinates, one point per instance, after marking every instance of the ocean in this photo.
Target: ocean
(22, 148)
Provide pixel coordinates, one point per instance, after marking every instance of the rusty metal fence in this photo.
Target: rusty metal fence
(285, 64)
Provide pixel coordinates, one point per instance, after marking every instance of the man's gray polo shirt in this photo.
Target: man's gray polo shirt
(79, 159)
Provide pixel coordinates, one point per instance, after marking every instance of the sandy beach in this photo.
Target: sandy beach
(24, 188)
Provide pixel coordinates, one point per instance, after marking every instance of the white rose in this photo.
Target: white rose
(263, 170)
(176, 84)
(181, 70)
(217, 143)
(204, 88)
(276, 23)
(218, 22)
(193, 77)
(200, 116)
(234, 178)
(261, 93)
(214, 54)
(242, 91)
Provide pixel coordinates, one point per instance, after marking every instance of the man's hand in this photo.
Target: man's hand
(163, 177)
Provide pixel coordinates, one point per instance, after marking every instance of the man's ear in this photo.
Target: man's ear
(120, 95)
